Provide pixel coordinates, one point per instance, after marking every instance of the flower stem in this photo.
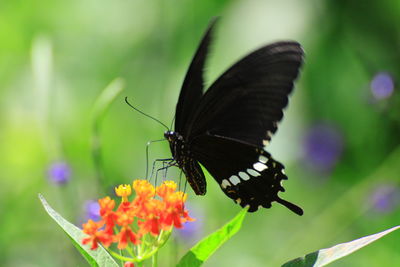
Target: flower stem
(154, 259)
(96, 154)
(130, 251)
(120, 257)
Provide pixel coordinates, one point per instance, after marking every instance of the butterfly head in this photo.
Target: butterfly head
(172, 136)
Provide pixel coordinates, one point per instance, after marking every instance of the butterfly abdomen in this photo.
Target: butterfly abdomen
(181, 153)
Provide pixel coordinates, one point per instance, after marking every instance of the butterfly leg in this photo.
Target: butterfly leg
(147, 154)
(154, 165)
(166, 165)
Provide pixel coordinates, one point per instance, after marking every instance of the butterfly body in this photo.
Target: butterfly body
(184, 159)
(227, 128)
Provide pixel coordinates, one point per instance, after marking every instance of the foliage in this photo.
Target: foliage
(338, 140)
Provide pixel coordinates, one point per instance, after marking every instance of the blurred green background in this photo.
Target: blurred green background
(339, 139)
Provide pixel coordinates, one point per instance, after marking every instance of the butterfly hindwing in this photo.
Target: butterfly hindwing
(246, 173)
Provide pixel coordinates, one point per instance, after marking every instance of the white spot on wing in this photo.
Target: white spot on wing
(225, 184)
(265, 142)
(244, 176)
(253, 173)
(262, 159)
(238, 201)
(234, 179)
(260, 166)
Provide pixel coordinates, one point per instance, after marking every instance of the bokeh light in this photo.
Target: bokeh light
(192, 231)
(59, 173)
(322, 147)
(382, 85)
(92, 210)
(385, 198)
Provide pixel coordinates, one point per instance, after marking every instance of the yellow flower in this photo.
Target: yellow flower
(124, 191)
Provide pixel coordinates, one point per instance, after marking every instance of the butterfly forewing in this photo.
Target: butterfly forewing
(246, 102)
(192, 87)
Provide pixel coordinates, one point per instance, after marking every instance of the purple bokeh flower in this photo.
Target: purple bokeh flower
(92, 210)
(322, 147)
(385, 198)
(192, 231)
(382, 85)
(59, 172)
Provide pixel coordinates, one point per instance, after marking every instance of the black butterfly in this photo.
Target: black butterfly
(227, 128)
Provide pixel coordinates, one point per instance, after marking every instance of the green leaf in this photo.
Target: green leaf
(206, 247)
(106, 97)
(98, 257)
(101, 105)
(325, 256)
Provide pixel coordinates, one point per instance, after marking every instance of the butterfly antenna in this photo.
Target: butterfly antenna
(141, 112)
(172, 122)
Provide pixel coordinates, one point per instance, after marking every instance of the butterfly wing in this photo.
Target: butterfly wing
(192, 87)
(247, 101)
(226, 128)
(246, 173)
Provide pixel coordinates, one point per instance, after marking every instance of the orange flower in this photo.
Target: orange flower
(151, 215)
(125, 219)
(175, 213)
(166, 188)
(146, 213)
(91, 228)
(150, 225)
(144, 197)
(106, 212)
(126, 234)
(126, 207)
(143, 189)
(106, 205)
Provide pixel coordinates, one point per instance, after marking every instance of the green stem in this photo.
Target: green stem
(160, 243)
(120, 253)
(142, 253)
(120, 257)
(130, 251)
(139, 250)
(154, 260)
(96, 154)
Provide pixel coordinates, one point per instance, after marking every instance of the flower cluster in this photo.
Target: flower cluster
(145, 222)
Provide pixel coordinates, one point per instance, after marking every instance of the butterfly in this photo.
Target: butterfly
(227, 128)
